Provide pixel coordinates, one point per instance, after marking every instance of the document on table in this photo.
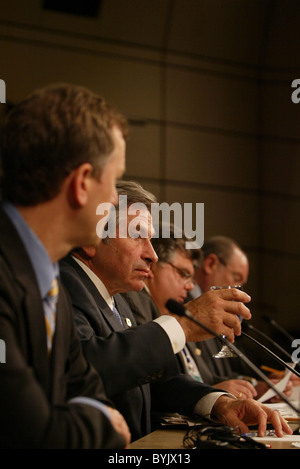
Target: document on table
(286, 411)
(280, 386)
(293, 441)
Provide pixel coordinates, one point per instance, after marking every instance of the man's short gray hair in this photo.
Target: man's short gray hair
(135, 194)
(167, 247)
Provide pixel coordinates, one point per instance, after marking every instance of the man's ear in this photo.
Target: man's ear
(89, 251)
(85, 253)
(210, 263)
(80, 180)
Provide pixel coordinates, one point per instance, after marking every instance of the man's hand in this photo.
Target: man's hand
(241, 413)
(120, 425)
(239, 388)
(218, 310)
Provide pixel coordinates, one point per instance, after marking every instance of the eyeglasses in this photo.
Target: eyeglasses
(186, 277)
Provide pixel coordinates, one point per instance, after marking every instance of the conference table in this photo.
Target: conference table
(172, 439)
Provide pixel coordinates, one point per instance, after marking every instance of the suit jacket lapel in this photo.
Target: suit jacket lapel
(33, 309)
(125, 319)
(110, 318)
(108, 315)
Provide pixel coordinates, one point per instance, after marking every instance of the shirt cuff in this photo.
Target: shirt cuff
(91, 402)
(205, 404)
(174, 331)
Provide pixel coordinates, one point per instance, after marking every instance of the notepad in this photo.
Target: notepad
(280, 386)
(289, 441)
(285, 410)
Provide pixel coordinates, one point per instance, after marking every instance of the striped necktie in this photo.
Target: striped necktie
(50, 304)
(190, 365)
(117, 315)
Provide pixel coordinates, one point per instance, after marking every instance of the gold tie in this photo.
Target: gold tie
(50, 312)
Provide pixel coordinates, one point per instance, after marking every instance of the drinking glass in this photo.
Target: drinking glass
(225, 351)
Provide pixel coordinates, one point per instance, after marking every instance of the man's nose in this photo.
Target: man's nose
(149, 252)
(189, 285)
(114, 197)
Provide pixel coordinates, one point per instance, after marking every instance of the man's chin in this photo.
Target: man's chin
(137, 286)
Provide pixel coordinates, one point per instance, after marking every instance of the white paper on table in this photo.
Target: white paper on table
(294, 440)
(280, 386)
(285, 410)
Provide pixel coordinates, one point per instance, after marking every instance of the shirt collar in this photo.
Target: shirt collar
(97, 282)
(147, 289)
(196, 292)
(44, 269)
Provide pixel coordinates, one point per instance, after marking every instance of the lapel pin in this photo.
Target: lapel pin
(128, 322)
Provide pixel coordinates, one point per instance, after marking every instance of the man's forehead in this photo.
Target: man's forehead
(183, 260)
(238, 259)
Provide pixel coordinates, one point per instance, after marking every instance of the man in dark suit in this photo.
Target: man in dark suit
(144, 354)
(62, 149)
(128, 359)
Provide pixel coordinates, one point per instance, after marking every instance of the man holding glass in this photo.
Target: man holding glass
(95, 277)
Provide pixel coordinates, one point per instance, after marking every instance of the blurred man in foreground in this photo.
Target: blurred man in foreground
(62, 150)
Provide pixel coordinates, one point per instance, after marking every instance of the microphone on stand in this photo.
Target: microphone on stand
(178, 309)
(279, 328)
(278, 359)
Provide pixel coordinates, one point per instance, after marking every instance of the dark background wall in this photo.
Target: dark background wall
(206, 85)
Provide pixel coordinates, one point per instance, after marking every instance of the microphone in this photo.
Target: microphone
(279, 328)
(178, 309)
(278, 359)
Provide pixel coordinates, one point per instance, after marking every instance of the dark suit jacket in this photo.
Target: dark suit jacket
(142, 305)
(34, 390)
(126, 359)
(212, 370)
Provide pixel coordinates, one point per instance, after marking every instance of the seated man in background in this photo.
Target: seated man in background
(225, 263)
(128, 358)
(62, 150)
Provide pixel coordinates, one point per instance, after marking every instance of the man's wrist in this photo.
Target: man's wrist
(220, 406)
(174, 331)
